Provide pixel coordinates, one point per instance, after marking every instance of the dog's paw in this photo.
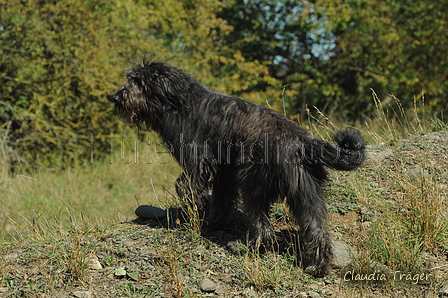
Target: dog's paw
(236, 247)
(316, 271)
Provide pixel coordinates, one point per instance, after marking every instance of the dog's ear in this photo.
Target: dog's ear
(172, 82)
(146, 62)
(136, 73)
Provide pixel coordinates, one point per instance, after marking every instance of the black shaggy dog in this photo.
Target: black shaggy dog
(237, 149)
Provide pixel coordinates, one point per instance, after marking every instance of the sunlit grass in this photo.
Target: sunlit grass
(62, 212)
(408, 212)
(108, 191)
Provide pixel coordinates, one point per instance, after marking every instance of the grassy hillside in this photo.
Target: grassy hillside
(107, 190)
(73, 233)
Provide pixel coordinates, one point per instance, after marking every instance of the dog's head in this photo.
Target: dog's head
(150, 91)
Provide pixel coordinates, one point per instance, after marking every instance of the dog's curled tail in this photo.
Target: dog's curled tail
(348, 154)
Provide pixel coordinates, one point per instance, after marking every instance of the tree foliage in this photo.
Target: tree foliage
(61, 59)
(397, 47)
(331, 53)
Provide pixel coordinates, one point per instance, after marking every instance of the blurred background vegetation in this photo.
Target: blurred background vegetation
(61, 61)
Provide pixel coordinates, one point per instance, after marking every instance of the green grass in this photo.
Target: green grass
(58, 219)
(412, 221)
(105, 191)
(409, 222)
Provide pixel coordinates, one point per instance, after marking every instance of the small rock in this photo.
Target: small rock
(313, 294)
(316, 285)
(82, 294)
(328, 292)
(93, 263)
(365, 214)
(208, 286)
(12, 257)
(221, 289)
(227, 278)
(343, 254)
(251, 293)
(366, 225)
(416, 173)
(97, 275)
(120, 271)
(379, 154)
(150, 212)
(363, 210)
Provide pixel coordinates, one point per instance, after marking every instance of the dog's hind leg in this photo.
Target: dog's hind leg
(257, 200)
(308, 207)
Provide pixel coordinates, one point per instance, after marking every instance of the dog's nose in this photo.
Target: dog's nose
(115, 98)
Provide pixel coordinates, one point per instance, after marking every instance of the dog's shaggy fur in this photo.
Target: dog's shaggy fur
(237, 149)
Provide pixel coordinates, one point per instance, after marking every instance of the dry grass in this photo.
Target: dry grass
(410, 221)
(58, 219)
(409, 211)
(107, 191)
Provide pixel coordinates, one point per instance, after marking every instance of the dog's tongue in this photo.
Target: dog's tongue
(130, 118)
